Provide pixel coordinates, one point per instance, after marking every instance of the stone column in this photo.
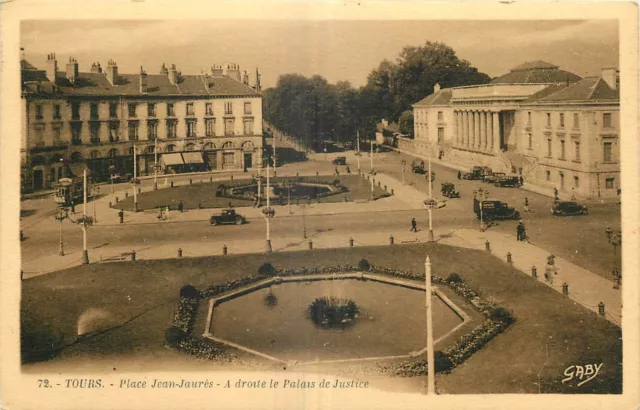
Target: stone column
(489, 131)
(476, 129)
(496, 132)
(468, 129)
(483, 130)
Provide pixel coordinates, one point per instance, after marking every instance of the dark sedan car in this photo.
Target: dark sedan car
(562, 208)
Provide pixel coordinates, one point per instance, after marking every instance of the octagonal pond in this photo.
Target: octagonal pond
(391, 320)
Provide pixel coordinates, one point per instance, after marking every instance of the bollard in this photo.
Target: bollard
(133, 255)
(392, 193)
(379, 184)
(110, 204)
(297, 174)
(345, 198)
(534, 272)
(190, 181)
(367, 177)
(210, 179)
(601, 309)
(487, 245)
(179, 252)
(224, 249)
(232, 177)
(139, 190)
(117, 200)
(201, 181)
(310, 244)
(385, 187)
(391, 240)
(351, 242)
(509, 257)
(171, 184)
(565, 289)
(126, 194)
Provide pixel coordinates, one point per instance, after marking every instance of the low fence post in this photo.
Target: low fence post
(392, 193)
(224, 249)
(310, 244)
(171, 184)
(351, 242)
(565, 289)
(391, 240)
(179, 252)
(133, 255)
(534, 272)
(509, 260)
(601, 309)
(487, 245)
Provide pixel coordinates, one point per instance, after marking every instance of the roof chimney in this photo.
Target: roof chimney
(143, 81)
(611, 76)
(245, 78)
(217, 71)
(257, 86)
(233, 71)
(173, 74)
(112, 72)
(163, 70)
(95, 68)
(436, 88)
(72, 70)
(52, 67)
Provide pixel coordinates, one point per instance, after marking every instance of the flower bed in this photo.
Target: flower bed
(497, 319)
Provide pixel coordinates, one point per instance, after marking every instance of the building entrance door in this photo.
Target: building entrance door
(37, 179)
(248, 160)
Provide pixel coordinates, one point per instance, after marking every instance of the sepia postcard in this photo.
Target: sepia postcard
(310, 205)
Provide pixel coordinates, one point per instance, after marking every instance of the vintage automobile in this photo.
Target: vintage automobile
(566, 208)
(417, 166)
(476, 173)
(434, 204)
(493, 177)
(449, 190)
(508, 182)
(494, 210)
(339, 161)
(227, 216)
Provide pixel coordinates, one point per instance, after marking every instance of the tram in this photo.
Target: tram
(69, 191)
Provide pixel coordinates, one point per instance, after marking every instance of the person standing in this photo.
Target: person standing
(555, 193)
(348, 170)
(526, 204)
(459, 174)
(121, 215)
(180, 206)
(414, 225)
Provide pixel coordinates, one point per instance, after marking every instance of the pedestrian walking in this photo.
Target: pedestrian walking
(414, 225)
(160, 214)
(337, 172)
(547, 274)
(555, 193)
(73, 207)
(526, 205)
(459, 174)
(521, 180)
(166, 213)
(348, 170)
(121, 215)
(180, 206)
(519, 231)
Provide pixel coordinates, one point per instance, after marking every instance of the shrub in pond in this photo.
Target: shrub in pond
(364, 264)
(331, 312)
(267, 269)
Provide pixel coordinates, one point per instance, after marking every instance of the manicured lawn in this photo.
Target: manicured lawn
(551, 332)
(203, 194)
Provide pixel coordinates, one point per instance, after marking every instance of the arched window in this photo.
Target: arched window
(209, 146)
(150, 149)
(113, 152)
(190, 147)
(247, 146)
(131, 150)
(95, 154)
(171, 148)
(228, 145)
(76, 156)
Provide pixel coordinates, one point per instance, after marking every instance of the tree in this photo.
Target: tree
(406, 123)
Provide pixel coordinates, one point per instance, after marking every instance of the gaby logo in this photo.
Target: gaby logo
(581, 373)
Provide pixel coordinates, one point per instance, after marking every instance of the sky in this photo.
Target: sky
(337, 50)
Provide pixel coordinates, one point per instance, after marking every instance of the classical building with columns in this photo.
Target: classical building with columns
(554, 128)
(72, 119)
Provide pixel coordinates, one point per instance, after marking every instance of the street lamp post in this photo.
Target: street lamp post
(133, 181)
(95, 191)
(358, 150)
(371, 156)
(155, 164)
(431, 236)
(267, 215)
(304, 219)
(482, 195)
(431, 385)
(61, 215)
(85, 222)
(404, 165)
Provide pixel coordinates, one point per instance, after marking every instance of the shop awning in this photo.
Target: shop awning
(171, 159)
(192, 157)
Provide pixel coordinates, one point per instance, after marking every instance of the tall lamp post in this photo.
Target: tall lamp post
(431, 383)
(155, 164)
(404, 166)
(61, 214)
(95, 192)
(358, 150)
(133, 181)
(85, 222)
(371, 156)
(431, 236)
(482, 195)
(616, 241)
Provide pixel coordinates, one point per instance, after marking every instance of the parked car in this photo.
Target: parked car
(434, 204)
(228, 216)
(417, 166)
(339, 161)
(566, 208)
(509, 182)
(477, 173)
(495, 210)
(493, 177)
(449, 190)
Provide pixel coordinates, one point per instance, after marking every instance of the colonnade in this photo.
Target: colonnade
(478, 130)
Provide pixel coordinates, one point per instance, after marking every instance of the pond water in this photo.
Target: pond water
(392, 321)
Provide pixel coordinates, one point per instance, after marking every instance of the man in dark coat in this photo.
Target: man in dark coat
(414, 225)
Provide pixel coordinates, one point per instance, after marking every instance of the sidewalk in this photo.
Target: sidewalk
(585, 287)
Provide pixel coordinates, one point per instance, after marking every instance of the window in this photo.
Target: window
(530, 140)
(38, 111)
(576, 182)
(171, 128)
(94, 111)
(440, 134)
(133, 130)
(191, 129)
(170, 112)
(576, 151)
(562, 151)
(95, 132)
(152, 130)
(440, 116)
(132, 110)
(190, 147)
(113, 132)
(189, 108)
(548, 119)
(609, 182)
(576, 121)
(151, 110)
(248, 127)
(228, 127)
(228, 108)
(208, 109)
(56, 134)
(171, 148)
(113, 110)
(39, 133)
(549, 147)
(561, 119)
(75, 111)
(548, 176)
(608, 153)
(247, 108)
(606, 120)
(56, 112)
(210, 127)
(76, 134)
